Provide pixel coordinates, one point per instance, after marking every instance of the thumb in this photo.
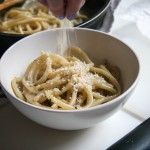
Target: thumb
(73, 6)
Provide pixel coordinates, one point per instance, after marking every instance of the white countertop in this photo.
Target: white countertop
(17, 132)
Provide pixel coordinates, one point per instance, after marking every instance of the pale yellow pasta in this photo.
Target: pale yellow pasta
(32, 20)
(66, 83)
(15, 83)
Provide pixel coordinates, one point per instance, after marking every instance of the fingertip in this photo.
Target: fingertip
(73, 6)
(83, 3)
(57, 8)
(61, 17)
(72, 17)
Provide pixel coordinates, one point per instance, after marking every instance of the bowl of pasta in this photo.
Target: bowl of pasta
(69, 84)
(17, 22)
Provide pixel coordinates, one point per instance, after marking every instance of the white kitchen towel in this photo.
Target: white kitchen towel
(132, 25)
(136, 12)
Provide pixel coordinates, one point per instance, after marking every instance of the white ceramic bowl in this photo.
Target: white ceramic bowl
(98, 46)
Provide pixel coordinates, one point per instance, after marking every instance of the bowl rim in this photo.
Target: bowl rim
(119, 98)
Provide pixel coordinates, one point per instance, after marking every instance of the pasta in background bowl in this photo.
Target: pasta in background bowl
(98, 46)
(32, 20)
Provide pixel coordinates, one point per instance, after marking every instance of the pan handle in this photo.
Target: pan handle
(137, 139)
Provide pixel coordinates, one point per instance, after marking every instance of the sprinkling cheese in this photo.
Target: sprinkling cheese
(66, 83)
(63, 37)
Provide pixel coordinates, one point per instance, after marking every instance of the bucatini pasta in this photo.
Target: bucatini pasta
(32, 20)
(66, 83)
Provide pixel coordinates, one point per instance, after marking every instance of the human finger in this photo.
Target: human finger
(72, 7)
(56, 7)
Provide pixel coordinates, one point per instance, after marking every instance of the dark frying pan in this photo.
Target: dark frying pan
(95, 9)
